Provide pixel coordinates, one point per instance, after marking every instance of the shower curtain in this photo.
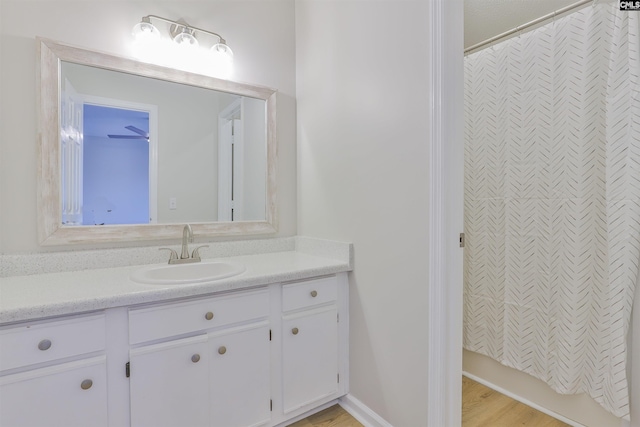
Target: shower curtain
(552, 201)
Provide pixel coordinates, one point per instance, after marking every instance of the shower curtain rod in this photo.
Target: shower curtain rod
(528, 24)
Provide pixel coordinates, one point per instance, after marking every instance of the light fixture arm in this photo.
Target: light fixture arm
(184, 25)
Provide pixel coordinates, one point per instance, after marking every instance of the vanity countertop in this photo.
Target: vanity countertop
(52, 294)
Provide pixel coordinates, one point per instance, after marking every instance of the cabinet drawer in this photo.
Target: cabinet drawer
(310, 293)
(29, 343)
(166, 320)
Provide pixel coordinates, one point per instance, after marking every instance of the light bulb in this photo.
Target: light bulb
(146, 40)
(186, 39)
(145, 31)
(223, 50)
(221, 60)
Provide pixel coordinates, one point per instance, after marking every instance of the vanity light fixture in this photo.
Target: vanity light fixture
(182, 34)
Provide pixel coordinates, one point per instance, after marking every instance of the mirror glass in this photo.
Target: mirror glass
(153, 151)
(134, 151)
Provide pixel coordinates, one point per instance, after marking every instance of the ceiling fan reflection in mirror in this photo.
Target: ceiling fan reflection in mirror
(138, 134)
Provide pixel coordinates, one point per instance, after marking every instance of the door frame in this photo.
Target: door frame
(446, 204)
(231, 163)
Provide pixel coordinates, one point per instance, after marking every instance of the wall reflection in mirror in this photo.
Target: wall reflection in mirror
(139, 150)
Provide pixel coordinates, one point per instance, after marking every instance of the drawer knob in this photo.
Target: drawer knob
(86, 384)
(195, 358)
(314, 294)
(295, 331)
(44, 345)
(209, 315)
(222, 350)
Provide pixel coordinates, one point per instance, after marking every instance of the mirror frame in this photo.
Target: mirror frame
(50, 228)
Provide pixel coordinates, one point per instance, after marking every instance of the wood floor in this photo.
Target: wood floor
(481, 407)
(334, 416)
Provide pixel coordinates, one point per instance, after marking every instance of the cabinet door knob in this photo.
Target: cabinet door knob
(86, 384)
(294, 331)
(195, 358)
(314, 294)
(44, 345)
(209, 315)
(222, 350)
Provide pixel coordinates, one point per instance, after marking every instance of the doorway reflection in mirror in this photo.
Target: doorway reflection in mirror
(116, 166)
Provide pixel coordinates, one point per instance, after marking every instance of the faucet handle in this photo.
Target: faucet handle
(173, 256)
(196, 252)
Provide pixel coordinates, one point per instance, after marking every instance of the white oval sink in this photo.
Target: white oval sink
(178, 274)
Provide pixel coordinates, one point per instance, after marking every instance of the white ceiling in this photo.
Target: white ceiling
(484, 19)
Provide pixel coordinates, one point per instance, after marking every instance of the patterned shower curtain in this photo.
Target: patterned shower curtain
(552, 201)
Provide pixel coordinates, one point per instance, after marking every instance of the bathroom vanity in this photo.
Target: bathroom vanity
(89, 339)
(258, 349)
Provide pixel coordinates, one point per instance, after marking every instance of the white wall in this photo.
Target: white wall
(484, 19)
(188, 158)
(261, 34)
(362, 86)
(255, 153)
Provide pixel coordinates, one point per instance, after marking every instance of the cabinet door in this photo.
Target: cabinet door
(309, 356)
(240, 377)
(65, 395)
(169, 384)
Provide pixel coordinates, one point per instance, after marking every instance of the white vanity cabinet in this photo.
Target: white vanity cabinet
(241, 377)
(53, 373)
(170, 384)
(218, 376)
(310, 345)
(252, 357)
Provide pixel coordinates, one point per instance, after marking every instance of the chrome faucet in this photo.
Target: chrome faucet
(187, 236)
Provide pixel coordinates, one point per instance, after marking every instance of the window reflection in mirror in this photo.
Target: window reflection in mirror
(138, 150)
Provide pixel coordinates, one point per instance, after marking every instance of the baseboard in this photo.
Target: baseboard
(522, 400)
(362, 412)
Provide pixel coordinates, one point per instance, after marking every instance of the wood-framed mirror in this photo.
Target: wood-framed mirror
(131, 151)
